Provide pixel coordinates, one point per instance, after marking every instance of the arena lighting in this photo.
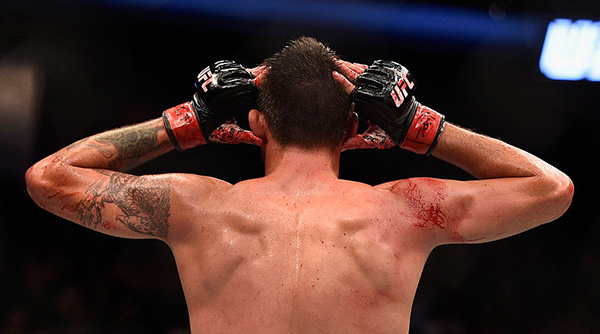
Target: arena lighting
(420, 21)
(571, 50)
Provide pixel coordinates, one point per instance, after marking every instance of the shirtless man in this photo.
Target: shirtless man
(299, 250)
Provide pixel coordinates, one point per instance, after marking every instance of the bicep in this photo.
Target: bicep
(120, 204)
(493, 209)
(448, 211)
(126, 205)
(113, 203)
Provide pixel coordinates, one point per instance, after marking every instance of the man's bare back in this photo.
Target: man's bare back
(324, 256)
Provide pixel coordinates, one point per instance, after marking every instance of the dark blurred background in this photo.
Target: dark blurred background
(72, 68)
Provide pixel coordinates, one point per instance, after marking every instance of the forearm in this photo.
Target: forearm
(119, 149)
(485, 157)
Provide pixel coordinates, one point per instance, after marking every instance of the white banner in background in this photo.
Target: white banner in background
(571, 50)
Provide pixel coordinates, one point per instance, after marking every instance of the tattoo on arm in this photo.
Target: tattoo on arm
(143, 200)
(133, 144)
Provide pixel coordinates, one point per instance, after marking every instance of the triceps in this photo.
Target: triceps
(140, 203)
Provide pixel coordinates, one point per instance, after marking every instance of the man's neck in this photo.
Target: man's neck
(301, 164)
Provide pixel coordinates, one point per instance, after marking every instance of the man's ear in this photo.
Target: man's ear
(258, 124)
(352, 129)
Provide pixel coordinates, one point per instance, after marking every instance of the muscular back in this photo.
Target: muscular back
(299, 251)
(334, 257)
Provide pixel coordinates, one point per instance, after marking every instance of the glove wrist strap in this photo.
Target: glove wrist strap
(181, 124)
(424, 131)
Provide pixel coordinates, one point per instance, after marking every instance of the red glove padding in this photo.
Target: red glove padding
(373, 137)
(231, 133)
(185, 133)
(182, 127)
(424, 131)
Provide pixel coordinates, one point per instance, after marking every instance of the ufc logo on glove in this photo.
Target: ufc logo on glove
(399, 93)
(205, 77)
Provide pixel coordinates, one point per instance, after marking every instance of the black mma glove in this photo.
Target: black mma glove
(384, 94)
(224, 90)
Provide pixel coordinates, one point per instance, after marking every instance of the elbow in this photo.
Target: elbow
(34, 181)
(567, 191)
(561, 195)
(39, 181)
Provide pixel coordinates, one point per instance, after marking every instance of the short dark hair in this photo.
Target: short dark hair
(302, 103)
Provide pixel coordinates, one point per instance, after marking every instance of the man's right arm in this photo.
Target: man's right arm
(86, 182)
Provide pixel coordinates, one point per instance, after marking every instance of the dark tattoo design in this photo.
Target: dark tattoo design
(143, 200)
(132, 143)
